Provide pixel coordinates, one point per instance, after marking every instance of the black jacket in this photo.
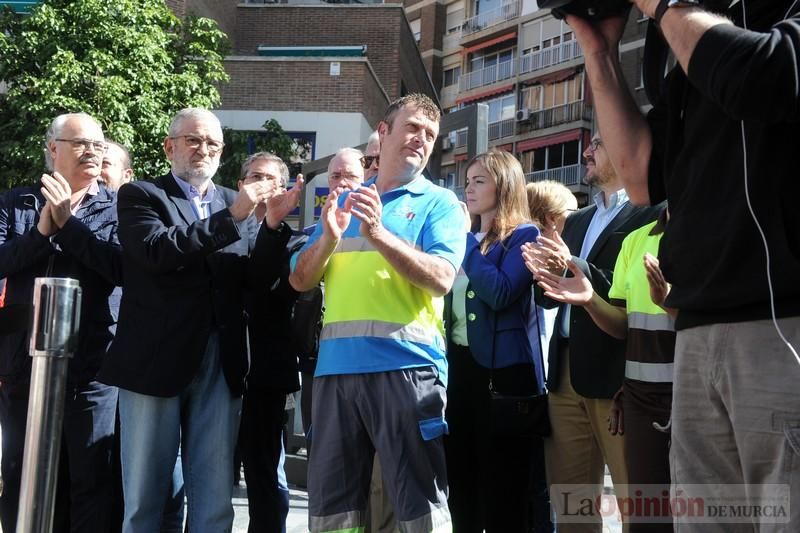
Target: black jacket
(711, 251)
(596, 359)
(86, 249)
(183, 278)
(273, 359)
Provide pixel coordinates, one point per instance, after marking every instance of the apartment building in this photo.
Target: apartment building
(527, 67)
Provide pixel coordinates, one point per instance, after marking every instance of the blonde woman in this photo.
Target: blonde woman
(550, 203)
(488, 338)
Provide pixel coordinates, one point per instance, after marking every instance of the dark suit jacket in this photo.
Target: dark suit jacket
(273, 362)
(183, 278)
(596, 360)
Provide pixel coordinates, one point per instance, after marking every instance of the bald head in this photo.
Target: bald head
(345, 169)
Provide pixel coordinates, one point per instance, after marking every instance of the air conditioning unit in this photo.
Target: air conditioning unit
(523, 115)
(446, 144)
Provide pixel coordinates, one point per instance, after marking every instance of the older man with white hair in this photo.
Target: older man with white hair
(65, 226)
(180, 354)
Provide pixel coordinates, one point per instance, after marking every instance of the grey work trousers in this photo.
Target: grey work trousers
(736, 424)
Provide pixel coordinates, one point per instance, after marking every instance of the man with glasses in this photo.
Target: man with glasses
(586, 365)
(64, 226)
(371, 156)
(273, 369)
(180, 354)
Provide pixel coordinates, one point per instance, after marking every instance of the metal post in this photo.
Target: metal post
(56, 318)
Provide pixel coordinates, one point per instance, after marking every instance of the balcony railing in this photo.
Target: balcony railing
(560, 115)
(461, 138)
(548, 57)
(501, 128)
(568, 175)
(487, 76)
(507, 11)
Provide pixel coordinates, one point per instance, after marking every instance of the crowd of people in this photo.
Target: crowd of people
(474, 363)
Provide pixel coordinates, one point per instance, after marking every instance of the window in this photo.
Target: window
(484, 6)
(531, 98)
(547, 33)
(502, 108)
(451, 76)
(553, 94)
(455, 20)
(490, 60)
(550, 157)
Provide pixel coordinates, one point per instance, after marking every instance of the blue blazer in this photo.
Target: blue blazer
(498, 300)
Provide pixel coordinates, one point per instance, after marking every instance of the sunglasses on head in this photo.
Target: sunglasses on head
(367, 160)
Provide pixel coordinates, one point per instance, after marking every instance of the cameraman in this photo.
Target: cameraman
(725, 125)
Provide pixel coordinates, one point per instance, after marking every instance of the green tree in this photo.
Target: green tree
(240, 144)
(132, 64)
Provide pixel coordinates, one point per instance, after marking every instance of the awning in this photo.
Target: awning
(490, 42)
(313, 51)
(460, 157)
(505, 147)
(558, 138)
(555, 77)
(485, 94)
(20, 6)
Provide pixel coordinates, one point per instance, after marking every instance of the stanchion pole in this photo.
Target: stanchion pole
(56, 319)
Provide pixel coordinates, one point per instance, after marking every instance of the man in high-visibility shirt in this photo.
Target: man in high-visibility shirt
(388, 251)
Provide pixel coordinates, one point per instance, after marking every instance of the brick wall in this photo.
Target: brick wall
(375, 26)
(285, 85)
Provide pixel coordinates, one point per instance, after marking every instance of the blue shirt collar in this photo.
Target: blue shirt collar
(616, 199)
(419, 185)
(190, 191)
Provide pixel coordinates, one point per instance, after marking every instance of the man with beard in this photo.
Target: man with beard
(65, 226)
(586, 365)
(389, 252)
(719, 145)
(180, 354)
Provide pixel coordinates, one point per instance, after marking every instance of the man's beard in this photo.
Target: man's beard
(197, 176)
(599, 176)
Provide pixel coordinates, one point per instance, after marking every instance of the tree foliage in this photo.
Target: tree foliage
(132, 64)
(240, 144)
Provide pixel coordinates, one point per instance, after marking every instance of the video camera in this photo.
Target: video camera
(587, 9)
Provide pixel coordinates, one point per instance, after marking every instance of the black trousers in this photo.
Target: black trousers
(263, 419)
(488, 476)
(646, 448)
(85, 486)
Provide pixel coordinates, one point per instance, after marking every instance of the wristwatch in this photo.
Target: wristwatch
(663, 5)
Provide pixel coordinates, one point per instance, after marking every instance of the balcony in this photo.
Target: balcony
(570, 175)
(561, 114)
(507, 11)
(548, 57)
(501, 128)
(486, 76)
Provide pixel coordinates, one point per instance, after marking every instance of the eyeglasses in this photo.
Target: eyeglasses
(263, 177)
(194, 142)
(595, 143)
(334, 176)
(367, 160)
(86, 144)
